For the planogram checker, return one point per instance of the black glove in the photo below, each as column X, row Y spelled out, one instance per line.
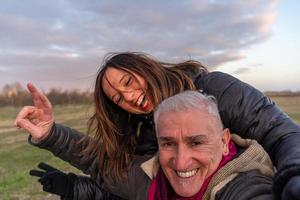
column 291, row 190
column 55, row 181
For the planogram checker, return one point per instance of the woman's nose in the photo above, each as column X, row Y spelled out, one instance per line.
column 129, row 96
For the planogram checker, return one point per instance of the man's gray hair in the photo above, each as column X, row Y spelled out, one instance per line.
column 188, row 101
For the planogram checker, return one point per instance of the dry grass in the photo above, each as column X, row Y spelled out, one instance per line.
column 290, row 105
column 17, row 157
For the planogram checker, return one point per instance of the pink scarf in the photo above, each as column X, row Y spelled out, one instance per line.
column 160, row 188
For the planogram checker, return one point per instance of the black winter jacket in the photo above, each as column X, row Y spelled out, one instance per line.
column 243, row 109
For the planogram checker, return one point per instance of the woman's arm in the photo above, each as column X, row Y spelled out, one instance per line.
column 248, row 112
column 63, row 141
column 87, row 189
column 44, row 133
column 247, row 185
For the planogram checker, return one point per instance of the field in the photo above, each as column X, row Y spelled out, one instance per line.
column 17, row 157
column 291, row 105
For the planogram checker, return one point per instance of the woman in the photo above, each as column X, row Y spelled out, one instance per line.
column 128, row 87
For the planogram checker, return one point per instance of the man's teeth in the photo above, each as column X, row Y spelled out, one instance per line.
column 186, row 174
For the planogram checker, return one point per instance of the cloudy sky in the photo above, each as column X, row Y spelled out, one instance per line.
column 61, row 43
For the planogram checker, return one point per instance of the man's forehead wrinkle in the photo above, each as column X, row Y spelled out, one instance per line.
column 185, row 137
column 197, row 135
column 166, row 138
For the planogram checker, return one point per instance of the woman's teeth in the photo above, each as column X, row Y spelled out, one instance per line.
column 141, row 101
column 186, row 174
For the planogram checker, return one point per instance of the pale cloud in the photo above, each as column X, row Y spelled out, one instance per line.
column 57, row 41
column 241, row 70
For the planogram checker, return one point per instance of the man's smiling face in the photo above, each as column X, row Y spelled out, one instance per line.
column 191, row 145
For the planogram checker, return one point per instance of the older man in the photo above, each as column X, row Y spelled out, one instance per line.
column 197, row 158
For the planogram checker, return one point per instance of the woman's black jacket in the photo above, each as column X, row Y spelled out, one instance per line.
column 243, row 109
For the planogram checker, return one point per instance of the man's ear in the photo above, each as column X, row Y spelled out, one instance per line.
column 225, row 141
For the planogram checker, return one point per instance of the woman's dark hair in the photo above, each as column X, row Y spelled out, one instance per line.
column 113, row 128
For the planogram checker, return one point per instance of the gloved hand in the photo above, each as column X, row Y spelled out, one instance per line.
column 291, row 190
column 55, row 181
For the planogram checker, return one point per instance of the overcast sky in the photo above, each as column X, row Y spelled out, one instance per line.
column 61, row 43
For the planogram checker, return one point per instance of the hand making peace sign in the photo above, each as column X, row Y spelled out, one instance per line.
column 37, row 119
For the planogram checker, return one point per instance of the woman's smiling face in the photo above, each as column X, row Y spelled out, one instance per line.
column 128, row 90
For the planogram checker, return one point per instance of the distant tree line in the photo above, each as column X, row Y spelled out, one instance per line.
column 284, row 93
column 15, row 95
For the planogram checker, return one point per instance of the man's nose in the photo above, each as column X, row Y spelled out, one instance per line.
column 182, row 159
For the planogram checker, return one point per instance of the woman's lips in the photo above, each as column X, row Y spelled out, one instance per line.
column 146, row 104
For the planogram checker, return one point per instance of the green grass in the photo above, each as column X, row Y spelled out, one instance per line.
column 17, row 157
column 16, row 164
